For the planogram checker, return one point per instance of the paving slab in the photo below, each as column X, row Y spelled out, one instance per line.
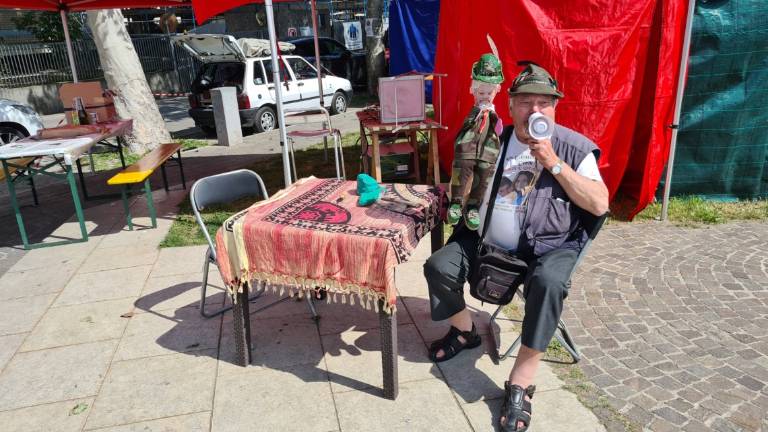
column 158, row 333
column 179, row 260
column 8, row 346
column 77, row 324
column 198, row 422
column 21, row 315
column 177, row 291
column 65, row 416
column 55, row 374
column 119, row 257
column 154, row 387
column 353, row 358
column 34, row 282
column 104, row 285
column 426, row 405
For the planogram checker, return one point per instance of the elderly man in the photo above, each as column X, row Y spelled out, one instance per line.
column 545, row 230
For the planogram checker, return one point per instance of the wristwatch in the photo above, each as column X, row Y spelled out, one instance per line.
column 557, row 169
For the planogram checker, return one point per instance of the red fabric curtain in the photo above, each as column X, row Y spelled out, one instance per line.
column 205, row 9
column 617, row 62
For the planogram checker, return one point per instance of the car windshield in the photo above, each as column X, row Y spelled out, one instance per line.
column 214, row 75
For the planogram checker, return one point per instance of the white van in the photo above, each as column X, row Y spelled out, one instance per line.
column 225, row 64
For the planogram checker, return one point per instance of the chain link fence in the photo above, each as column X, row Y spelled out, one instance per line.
column 40, row 63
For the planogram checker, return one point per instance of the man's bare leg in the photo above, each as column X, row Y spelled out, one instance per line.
column 524, row 370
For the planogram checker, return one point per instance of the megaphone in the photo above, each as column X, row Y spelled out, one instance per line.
column 540, row 126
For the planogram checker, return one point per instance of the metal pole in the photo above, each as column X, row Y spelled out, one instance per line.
column 68, row 42
column 278, row 90
column 678, row 107
column 317, row 53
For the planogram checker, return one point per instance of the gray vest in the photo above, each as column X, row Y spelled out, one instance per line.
column 551, row 220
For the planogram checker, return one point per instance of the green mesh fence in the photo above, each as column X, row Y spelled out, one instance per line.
column 722, row 148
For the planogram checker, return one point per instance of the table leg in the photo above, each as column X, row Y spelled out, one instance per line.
column 241, row 320
column 436, row 236
column 416, row 158
column 433, row 165
column 15, row 205
column 363, row 149
column 82, row 178
column 119, row 140
column 76, row 199
column 388, row 352
column 376, row 165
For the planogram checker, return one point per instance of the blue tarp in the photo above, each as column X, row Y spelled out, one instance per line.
column 413, row 37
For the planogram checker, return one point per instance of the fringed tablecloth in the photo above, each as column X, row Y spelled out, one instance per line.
column 313, row 234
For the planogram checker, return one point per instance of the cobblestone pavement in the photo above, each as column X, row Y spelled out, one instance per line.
column 673, row 324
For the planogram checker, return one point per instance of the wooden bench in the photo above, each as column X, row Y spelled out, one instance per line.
column 140, row 171
column 19, row 167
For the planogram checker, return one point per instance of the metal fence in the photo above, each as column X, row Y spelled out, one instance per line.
column 29, row 64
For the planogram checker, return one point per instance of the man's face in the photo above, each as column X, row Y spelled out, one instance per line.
column 521, row 106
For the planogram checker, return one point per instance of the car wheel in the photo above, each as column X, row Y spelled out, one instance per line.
column 339, row 103
column 266, row 120
column 9, row 134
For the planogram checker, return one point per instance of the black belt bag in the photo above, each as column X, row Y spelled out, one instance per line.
column 495, row 275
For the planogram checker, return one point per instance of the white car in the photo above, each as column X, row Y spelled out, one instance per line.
column 225, row 64
column 17, row 121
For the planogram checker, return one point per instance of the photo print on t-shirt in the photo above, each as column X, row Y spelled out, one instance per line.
column 520, row 174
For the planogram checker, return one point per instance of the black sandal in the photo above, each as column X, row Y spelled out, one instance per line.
column 451, row 345
column 516, row 409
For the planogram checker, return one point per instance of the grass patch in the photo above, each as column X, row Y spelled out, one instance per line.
column 695, row 211
column 111, row 159
column 186, row 232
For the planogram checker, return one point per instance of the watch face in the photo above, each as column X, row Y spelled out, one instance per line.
column 556, row 169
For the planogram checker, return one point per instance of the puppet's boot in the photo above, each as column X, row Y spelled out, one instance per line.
column 454, row 213
column 472, row 217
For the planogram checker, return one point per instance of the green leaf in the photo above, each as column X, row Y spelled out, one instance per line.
column 78, row 409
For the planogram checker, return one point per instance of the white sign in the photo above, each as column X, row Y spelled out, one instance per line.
column 353, row 35
column 305, row 31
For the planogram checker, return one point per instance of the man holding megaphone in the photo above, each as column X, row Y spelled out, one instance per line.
column 539, row 224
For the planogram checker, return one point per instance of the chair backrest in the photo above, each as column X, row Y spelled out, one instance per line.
column 308, row 116
column 223, row 189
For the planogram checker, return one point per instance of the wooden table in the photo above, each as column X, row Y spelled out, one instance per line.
column 313, row 234
column 370, row 123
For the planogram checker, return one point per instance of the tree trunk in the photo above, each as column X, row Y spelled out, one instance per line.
column 124, row 75
column 375, row 57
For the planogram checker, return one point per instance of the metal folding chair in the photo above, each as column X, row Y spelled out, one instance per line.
column 593, row 225
column 315, row 116
column 223, row 189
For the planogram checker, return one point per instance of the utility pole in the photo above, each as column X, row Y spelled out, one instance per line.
column 374, row 59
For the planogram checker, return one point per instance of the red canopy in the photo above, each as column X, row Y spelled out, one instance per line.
column 205, row 9
column 82, row 5
column 617, row 62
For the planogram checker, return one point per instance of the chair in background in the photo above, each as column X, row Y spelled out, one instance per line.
column 224, row 189
column 592, row 225
column 316, row 117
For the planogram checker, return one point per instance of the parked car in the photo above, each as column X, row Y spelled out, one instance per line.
column 17, row 121
column 225, row 64
column 335, row 57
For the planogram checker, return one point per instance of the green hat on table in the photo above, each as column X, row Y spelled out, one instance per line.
column 488, row 70
column 534, row 79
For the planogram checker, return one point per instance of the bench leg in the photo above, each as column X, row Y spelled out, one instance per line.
column 181, row 169
column 126, row 207
column 165, row 176
column 150, row 202
column 388, row 352
column 34, row 191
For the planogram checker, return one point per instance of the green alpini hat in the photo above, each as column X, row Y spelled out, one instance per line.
column 534, row 79
column 488, row 70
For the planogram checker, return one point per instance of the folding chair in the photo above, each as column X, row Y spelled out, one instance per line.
column 592, row 225
column 222, row 189
column 315, row 116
